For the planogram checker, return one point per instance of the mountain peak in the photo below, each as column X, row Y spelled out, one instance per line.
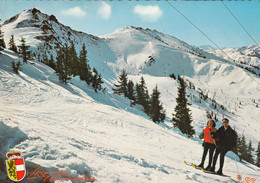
column 135, row 28
column 30, row 18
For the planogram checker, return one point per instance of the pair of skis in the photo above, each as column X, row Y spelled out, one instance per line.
column 209, row 172
column 203, row 170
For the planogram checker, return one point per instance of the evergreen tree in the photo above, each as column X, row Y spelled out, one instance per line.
column 258, row 155
column 12, row 45
column 38, row 57
column 235, row 149
column 67, row 73
column 84, row 69
column 142, row 96
column 88, row 74
column 121, row 88
column 16, row 67
column 131, row 91
column 45, row 59
column 23, row 50
column 96, row 80
column 99, row 82
column 52, row 63
column 209, row 116
column 201, row 135
column 182, row 118
column 249, row 153
column 243, row 148
column 156, row 111
column 172, row 76
column 238, row 148
column 73, row 61
column 2, row 42
column 62, row 64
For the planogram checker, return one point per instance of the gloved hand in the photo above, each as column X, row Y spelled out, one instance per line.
column 203, row 144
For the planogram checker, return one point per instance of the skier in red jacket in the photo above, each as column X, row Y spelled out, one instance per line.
column 226, row 139
column 208, row 144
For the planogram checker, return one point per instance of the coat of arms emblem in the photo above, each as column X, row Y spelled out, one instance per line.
column 15, row 166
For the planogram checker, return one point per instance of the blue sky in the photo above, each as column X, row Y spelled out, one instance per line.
column 104, row 17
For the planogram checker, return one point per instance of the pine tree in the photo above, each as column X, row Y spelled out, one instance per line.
column 99, row 82
column 73, row 61
column 23, row 50
column 156, row 111
column 131, row 91
column 84, row 68
column 238, row 148
column 121, row 88
column 2, row 42
column 142, row 96
column 12, row 45
column 16, row 67
column 172, row 76
column 182, row 118
column 235, row 149
column 52, row 63
column 249, row 153
column 258, row 155
column 201, row 135
column 62, row 64
column 67, row 73
column 96, row 80
column 209, row 116
column 243, row 148
column 45, row 59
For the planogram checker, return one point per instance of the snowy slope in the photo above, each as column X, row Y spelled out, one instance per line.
column 230, row 85
column 247, row 56
column 42, row 31
column 70, row 127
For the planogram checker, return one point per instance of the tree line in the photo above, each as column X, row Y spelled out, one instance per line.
column 245, row 151
column 68, row 64
column 138, row 94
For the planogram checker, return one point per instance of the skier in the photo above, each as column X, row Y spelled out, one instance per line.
column 226, row 139
column 208, row 143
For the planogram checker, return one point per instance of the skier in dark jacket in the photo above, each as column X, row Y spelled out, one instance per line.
column 226, row 139
column 208, row 143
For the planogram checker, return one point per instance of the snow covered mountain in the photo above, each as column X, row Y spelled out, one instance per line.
column 247, row 54
column 246, row 57
column 71, row 127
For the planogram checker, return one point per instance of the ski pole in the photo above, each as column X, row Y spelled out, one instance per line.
column 239, row 177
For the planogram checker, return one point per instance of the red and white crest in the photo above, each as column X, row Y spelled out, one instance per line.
column 15, row 166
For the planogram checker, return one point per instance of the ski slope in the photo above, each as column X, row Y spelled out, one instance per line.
column 70, row 127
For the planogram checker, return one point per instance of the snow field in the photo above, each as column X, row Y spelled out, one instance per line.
column 68, row 127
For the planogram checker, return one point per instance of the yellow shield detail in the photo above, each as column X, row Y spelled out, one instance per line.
column 11, row 169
